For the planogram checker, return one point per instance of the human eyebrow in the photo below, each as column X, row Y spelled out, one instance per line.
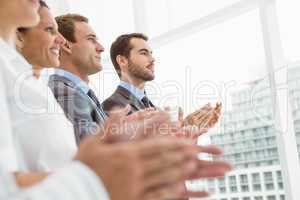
column 92, row 36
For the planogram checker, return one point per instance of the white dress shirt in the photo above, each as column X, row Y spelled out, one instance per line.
column 73, row 180
column 42, row 133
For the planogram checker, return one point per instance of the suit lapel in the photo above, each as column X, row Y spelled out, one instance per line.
column 132, row 100
column 58, row 78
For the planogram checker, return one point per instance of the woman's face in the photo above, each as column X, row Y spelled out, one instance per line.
column 41, row 44
column 20, row 13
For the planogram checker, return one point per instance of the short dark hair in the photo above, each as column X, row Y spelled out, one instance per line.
column 43, row 4
column 66, row 25
column 121, row 46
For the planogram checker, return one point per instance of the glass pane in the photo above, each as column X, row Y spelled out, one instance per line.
column 164, row 15
column 294, row 91
column 288, row 11
column 226, row 63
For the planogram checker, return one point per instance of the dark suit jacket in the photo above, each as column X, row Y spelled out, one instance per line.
column 78, row 107
column 122, row 97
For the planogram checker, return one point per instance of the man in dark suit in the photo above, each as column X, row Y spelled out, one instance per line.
column 132, row 58
column 79, row 58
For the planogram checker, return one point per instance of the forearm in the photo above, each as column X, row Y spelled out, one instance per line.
column 29, row 179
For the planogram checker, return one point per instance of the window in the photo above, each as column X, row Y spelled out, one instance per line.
column 211, row 190
column 269, row 186
column 221, row 181
column 243, row 179
column 245, row 188
column 256, row 187
column 258, row 198
column 272, row 197
column 256, row 178
column 233, row 189
column 222, row 190
column 268, row 177
column 211, row 183
column 232, row 180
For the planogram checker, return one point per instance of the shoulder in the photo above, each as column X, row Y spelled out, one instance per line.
column 114, row 101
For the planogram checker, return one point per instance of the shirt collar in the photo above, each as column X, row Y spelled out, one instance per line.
column 138, row 93
column 83, row 86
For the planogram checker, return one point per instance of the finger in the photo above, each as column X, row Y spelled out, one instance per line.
column 149, row 127
column 195, row 194
column 158, row 124
column 211, row 149
column 210, row 169
column 180, row 115
column 164, row 161
column 158, row 146
column 172, row 175
column 164, row 192
column 214, row 118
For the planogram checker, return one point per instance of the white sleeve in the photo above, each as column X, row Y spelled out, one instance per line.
column 8, row 156
column 75, row 182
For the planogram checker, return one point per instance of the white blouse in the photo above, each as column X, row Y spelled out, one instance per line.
column 43, row 135
column 39, row 149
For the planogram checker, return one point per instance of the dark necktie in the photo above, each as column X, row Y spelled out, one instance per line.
column 92, row 95
column 146, row 102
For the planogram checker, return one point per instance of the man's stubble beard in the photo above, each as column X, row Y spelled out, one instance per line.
column 139, row 72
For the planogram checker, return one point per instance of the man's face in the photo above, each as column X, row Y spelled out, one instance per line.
column 86, row 51
column 141, row 62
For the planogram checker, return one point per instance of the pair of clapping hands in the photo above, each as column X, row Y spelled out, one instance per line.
column 190, row 127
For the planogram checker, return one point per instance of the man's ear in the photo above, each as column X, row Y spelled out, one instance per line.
column 19, row 41
column 122, row 61
column 67, row 47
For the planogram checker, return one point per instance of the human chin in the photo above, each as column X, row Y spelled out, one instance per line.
column 149, row 75
column 53, row 60
column 97, row 67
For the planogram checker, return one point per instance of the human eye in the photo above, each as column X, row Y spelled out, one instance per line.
column 50, row 29
column 144, row 53
column 93, row 40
